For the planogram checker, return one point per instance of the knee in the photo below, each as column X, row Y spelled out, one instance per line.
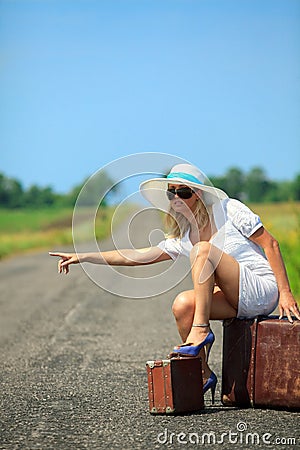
column 183, row 305
column 200, row 250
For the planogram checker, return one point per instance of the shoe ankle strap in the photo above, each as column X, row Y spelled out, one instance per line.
column 204, row 325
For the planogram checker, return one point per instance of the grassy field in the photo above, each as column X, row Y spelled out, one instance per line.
column 283, row 221
column 24, row 230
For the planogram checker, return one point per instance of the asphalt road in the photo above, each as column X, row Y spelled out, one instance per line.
column 73, row 365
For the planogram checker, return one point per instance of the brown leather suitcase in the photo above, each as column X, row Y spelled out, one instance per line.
column 175, row 385
column 261, row 365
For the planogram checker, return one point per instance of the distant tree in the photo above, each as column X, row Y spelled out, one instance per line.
column 257, row 185
column 273, row 194
column 296, row 187
column 11, row 192
column 4, row 194
column 16, row 194
column 253, row 187
column 233, row 183
column 218, row 182
column 47, row 196
column 3, row 191
column 93, row 190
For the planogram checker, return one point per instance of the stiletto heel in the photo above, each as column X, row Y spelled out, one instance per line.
column 211, row 384
column 194, row 350
column 208, row 348
column 213, row 389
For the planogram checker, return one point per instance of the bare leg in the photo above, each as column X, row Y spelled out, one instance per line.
column 184, row 309
column 209, row 264
column 201, row 304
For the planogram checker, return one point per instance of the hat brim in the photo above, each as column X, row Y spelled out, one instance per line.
column 154, row 191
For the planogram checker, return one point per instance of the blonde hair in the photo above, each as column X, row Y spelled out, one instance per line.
column 177, row 224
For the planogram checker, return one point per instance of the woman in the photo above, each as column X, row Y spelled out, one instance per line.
column 237, row 268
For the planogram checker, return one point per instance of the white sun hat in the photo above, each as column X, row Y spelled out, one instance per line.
column 154, row 190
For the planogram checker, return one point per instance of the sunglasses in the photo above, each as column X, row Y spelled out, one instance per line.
column 182, row 192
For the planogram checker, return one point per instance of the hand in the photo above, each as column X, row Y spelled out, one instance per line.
column 288, row 306
column 65, row 261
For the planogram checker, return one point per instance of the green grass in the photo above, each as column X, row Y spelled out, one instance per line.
column 283, row 221
column 24, row 230
column 19, row 221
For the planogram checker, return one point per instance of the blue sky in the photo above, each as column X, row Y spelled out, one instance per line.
column 84, row 82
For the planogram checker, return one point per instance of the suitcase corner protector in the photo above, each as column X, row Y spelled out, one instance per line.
column 170, row 410
column 167, row 410
column 150, row 364
column 158, row 363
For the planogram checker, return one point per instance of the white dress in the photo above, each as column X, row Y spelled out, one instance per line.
column 235, row 222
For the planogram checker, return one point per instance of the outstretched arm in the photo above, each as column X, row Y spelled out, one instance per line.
column 287, row 303
column 122, row 257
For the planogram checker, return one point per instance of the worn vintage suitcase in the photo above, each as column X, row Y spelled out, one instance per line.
column 175, row 385
column 261, row 365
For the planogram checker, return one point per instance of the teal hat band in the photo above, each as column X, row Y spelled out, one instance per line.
column 185, row 176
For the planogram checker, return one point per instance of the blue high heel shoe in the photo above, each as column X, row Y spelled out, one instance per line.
column 211, row 384
column 194, row 350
